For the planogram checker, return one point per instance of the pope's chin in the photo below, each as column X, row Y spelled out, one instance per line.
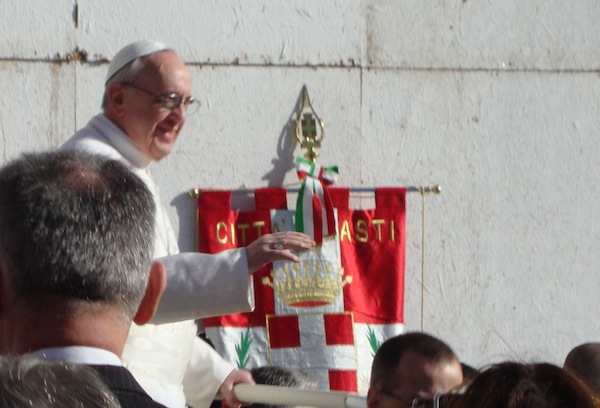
column 161, row 150
column 162, row 146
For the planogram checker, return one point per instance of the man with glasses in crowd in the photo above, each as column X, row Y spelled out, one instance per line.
column 411, row 368
column 147, row 96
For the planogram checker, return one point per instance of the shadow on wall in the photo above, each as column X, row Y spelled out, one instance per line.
column 282, row 163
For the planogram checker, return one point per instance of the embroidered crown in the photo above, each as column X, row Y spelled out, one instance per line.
column 313, row 282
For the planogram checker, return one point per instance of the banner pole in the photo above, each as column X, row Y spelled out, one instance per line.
column 436, row 189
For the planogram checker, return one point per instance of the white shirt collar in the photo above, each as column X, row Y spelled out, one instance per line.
column 79, row 355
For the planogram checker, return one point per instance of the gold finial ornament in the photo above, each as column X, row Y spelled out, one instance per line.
column 309, row 128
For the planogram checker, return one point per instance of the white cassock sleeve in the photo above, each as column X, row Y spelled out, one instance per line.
column 205, row 373
column 203, row 285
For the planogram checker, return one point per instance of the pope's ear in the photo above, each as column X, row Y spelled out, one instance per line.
column 157, row 282
column 115, row 95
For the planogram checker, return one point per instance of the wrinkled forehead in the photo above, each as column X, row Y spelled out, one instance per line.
column 446, row 375
column 166, row 68
column 417, row 376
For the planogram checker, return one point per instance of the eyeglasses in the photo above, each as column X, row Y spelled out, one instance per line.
column 170, row 101
column 417, row 402
column 439, row 400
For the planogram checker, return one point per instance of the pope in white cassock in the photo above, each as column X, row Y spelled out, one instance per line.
column 147, row 93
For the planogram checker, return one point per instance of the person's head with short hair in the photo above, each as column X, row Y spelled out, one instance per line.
column 284, row 377
column 148, row 94
column 76, row 241
column 27, row 382
column 518, row 385
column 412, row 365
column 584, row 361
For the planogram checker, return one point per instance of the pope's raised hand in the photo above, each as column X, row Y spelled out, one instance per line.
column 276, row 247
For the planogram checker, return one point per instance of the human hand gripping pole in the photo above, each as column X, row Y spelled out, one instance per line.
column 277, row 395
column 277, row 246
column 235, row 378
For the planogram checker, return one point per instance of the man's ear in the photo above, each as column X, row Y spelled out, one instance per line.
column 7, row 309
column 115, row 96
column 373, row 397
column 6, row 294
column 157, row 282
column 2, row 300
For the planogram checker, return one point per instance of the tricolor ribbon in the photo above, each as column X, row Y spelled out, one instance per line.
column 314, row 208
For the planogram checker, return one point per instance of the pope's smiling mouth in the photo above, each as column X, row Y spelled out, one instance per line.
column 167, row 133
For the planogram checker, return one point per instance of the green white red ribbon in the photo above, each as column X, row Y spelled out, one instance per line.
column 314, row 209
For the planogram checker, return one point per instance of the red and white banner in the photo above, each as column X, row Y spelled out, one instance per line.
column 328, row 314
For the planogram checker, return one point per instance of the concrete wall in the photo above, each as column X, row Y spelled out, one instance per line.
column 496, row 101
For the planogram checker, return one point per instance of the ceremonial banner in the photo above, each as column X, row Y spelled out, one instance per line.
column 328, row 314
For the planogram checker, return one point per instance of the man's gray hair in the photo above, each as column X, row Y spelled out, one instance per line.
column 284, row 377
column 76, row 225
column 28, row 382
